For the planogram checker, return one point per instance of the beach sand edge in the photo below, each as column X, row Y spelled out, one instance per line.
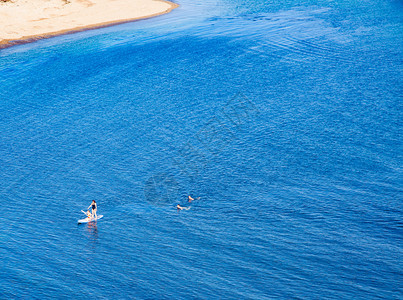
column 6, row 43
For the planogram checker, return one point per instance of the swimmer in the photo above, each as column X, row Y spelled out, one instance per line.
column 190, row 199
column 179, row 207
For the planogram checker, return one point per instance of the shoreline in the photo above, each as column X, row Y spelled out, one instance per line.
column 153, row 10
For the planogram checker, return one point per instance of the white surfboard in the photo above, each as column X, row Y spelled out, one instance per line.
column 87, row 220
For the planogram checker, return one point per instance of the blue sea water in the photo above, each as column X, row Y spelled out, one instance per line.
column 284, row 117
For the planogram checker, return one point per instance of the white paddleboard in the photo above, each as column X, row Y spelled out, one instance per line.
column 87, row 220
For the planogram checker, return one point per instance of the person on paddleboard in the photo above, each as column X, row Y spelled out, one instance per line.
column 94, row 209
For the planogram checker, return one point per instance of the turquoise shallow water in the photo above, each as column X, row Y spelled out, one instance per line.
column 283, row 117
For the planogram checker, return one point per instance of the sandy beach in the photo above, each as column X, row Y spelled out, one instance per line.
column 27, row 20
